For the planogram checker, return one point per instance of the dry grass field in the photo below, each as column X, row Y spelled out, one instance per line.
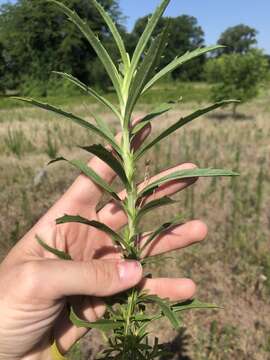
column 231, row 268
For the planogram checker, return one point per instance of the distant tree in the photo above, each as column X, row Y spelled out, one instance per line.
column 238, row 39
column 236, row 75
column 2, row 68
column 184, row 35
column 38, row 39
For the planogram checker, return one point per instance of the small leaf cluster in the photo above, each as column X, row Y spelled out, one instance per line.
column 128, row 314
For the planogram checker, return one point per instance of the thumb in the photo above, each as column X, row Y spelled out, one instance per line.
column 99, row 278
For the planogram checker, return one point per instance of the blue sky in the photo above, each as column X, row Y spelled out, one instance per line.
column 213, row 15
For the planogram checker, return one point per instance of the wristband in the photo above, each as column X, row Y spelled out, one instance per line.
column 56, row 355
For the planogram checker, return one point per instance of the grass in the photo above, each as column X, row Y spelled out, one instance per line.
column 170, row 91
column 232, row 268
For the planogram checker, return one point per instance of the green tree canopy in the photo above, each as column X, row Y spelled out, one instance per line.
column 238, row 39
column 37, row 39
column 236, row 75
column 184, row 35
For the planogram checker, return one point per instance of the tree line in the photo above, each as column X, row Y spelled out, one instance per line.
column 36, row 39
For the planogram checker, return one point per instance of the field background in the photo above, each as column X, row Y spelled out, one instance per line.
column 231, row 268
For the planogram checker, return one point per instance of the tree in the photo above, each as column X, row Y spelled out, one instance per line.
column 37, row 39
column 236, row 76
column 184, row 35
column 238, row 39
column 2, row 68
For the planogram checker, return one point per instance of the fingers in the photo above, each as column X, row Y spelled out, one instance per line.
column 86, row 308
column 115, row 217
column 176, row 238
column 83, row 190
column 56, row 279
column 173, row 289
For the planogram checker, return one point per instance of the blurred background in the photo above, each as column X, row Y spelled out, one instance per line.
column 232, row 268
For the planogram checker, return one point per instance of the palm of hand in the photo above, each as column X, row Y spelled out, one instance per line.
column 39, row 294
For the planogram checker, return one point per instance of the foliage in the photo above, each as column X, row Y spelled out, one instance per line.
column 127, row 315
column 37, row 39
column 238, row 39
column 2, row 67
column 184, row 35
column 236, row 74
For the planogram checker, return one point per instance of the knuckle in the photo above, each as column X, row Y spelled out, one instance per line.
column 100, row 275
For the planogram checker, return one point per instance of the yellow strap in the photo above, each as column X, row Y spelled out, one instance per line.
column 56, row 355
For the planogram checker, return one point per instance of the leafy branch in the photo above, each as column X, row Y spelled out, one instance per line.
column 127, row 317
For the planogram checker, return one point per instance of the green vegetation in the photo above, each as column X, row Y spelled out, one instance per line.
column 238, row 39
column 128, row 318
column 231, row 267
column 237, row 75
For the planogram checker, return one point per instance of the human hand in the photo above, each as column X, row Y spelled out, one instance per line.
column 35, row 284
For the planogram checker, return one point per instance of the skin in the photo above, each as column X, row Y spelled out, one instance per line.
column 35, row 284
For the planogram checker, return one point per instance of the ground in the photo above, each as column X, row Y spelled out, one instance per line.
column 231, row 268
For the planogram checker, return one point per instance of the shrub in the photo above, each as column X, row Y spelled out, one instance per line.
column 236, row 75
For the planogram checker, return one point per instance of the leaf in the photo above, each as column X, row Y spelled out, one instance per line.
column 185, row 174
column 142, row 74
column 178, row 61
column 60, row 254
column 102, row 324
column 154, row 205
column 146, row 119
column 100, row 50
column 103, row 126
column 102, row 153
column 183, row 121
column 90, row 91
column 160, row 230
column 87, row 171
column 192, row 304
column 166, row 309
column 96, row 224
column 72, row 117
column 116, row 35
column 142, row 43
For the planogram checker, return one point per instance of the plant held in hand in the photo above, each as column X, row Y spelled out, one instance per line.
column 127, row 316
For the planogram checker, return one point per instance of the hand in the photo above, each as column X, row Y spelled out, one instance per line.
column 34, row 284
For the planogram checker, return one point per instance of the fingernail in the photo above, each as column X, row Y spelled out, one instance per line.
column 129, row 270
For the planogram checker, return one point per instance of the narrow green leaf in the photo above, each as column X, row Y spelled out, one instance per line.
column 154, row 205
column 102, row 153
column 160, row 230
column 142, row 74
column 100, row 50
column 117, row 239
column 102, row 324
column 90, row 91
column 87, row 171
column 115, row 33
column 178, row 61
column 60, row 254
column 193, row 304
column 183, row 121
column 149, row 117
column 77, row 120
column 184, row 174
column 103, row 126
column 166, row 309
column 146, row 36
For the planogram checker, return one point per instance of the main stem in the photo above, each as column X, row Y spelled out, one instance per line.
column 131, row 237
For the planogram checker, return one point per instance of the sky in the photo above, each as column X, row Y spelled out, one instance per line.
column 214, row 16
